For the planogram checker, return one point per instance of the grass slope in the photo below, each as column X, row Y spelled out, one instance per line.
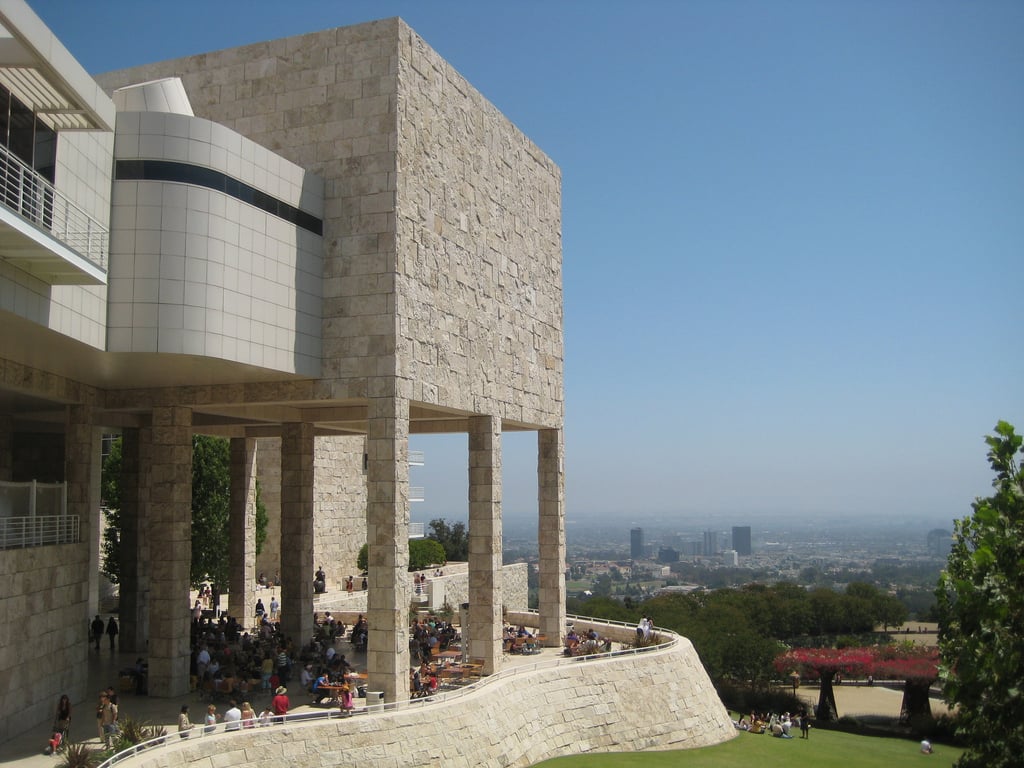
column 824, row 749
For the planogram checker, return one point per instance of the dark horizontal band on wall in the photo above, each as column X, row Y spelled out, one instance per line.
column 197, row 175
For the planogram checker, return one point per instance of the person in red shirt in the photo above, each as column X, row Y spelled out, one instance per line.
column 280, row 703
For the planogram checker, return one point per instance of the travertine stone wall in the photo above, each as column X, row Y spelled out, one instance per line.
column 339, row 506
column 485, row 629
column 242, row 528
column 551, row 533
column 43, row 634
column 442, row 225
column 479, row 249
column 297, row 442
column 170, row 515
column 657, row 700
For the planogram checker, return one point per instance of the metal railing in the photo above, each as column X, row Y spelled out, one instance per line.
column 27, row 193
column 21, row 532
column 666, row 640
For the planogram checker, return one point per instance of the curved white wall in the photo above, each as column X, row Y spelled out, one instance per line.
column 658, row 700
column 197, row 271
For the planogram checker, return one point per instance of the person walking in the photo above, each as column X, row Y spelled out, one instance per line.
column 97, row 630
column 184, row 724
column 111, row 632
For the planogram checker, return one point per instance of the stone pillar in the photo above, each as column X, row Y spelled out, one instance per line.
column 387, row 535
column 242, row 530
column 485, row 598
column 170, row 517
column 297, row 448
column 82, row 448
column 136, row 458
column 6, row 447
column 551, row 534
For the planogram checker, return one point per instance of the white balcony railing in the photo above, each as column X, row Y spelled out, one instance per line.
column 28, row 194
column 21, row 532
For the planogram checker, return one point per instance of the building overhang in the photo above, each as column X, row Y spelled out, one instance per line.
column 40, row 71
column 42, row 255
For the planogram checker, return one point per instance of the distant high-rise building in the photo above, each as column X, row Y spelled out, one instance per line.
column 668, row 555
column 741, row 540
column 940, row 541
column 636, row 543
column 710, row 543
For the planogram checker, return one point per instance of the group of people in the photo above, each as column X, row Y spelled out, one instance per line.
column 590, row 642
column 429, row 636
column 235, row 718
column 97, row 629
column 261, row 611
column 780, row 726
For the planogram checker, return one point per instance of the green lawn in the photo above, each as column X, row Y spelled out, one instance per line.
column 824, row 749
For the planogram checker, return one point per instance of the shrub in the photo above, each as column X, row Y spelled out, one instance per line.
column 80, row 756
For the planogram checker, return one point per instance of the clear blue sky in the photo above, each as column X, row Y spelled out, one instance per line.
column 793, row 235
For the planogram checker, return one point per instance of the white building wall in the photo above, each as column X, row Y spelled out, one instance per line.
column 197, row 271
column 84, row 166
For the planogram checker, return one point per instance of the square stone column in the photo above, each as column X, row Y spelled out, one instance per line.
column 242, row 530
column 551, row 534
column 485, row 598
column 6, row 447
column 136, row 459
column 170, row 518
column 82, row 449
column 297, row 568
column 387, row 535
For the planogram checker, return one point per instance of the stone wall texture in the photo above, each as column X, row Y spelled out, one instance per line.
column 43, row 604
column 442, row 221
column 661, row 699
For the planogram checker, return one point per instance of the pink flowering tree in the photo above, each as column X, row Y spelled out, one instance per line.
column 824, row 664
column 918, row 667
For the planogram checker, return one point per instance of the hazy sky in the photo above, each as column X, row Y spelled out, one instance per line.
column 793, row 235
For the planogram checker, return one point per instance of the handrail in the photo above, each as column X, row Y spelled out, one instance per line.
column 29, row 194
column 38, row 531
column 669, row 639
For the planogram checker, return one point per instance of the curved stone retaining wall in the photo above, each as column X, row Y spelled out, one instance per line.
column 657, row 700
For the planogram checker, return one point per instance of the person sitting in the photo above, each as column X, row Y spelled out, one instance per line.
column 322, row 679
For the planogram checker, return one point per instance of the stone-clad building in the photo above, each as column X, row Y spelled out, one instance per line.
column 331, row 241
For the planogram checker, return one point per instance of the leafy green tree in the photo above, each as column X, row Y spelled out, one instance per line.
column 110, row 493
column 423, row 553
column 981, row 607
column 211, row 497
column 453, row 537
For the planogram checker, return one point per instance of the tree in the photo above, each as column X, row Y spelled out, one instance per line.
column 211, row 497
column 110, row 494
column 423, row 553
column 981, row 614
column 918, row 667
column 211, row 492
column 454, row 538
column 825, row 664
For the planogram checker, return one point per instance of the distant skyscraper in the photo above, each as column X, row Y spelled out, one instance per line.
column 636, row 543
column 710, row 543
column 741, row 540
column 940, row 541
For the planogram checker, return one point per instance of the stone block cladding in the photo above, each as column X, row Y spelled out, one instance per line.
column 479, row 249
column 442, row 222
column 660, row 700
column 43, row 602
column 340, row 506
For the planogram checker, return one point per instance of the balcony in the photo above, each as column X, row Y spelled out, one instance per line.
column 35, row 515
column 44, row 233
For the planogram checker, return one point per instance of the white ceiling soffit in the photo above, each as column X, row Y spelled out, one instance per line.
column 40, row 71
